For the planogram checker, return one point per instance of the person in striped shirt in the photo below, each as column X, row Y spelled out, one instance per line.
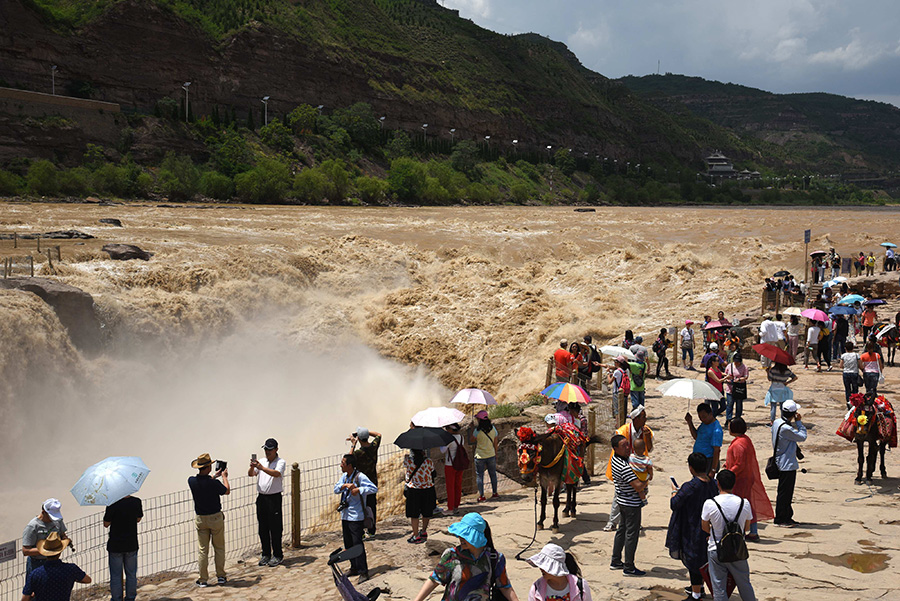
column 628, row 487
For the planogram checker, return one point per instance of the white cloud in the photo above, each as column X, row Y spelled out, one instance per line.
column 787, row 50
column 587, row 39
column 479, row 9
column 855, row 55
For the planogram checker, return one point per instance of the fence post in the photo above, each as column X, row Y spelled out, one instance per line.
column 59, row 254
column 620, row 418
column 295, row 505
column 675, row 342
column 592, row 428
column 15, row 239
column 39, row 242
column 549, row 379
column 50, row 259
column 31, row 261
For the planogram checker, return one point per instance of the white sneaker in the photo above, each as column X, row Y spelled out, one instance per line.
column 609, row 527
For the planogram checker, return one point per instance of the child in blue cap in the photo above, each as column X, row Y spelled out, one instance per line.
column 465, row 570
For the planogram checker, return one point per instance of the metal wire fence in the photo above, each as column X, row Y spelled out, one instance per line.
column 167, row 536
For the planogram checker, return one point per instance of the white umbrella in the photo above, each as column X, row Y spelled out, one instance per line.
column 687, row 388
column 792, row 311
column 438, row 417
column 112, row 479
column 617, row 351
column 474, row 396
column 840, row 279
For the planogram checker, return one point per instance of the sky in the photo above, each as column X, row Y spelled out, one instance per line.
column 843, row 47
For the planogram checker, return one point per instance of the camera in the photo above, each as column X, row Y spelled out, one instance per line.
column 344, row 504
column 221, row 465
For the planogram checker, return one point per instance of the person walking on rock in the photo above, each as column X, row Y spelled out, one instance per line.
column 209, row 521
column 627, row 487
column 353, row 487
column 367, row 461
column 269, row 488
column 122, row 518
column 787, row 431
column 730, row 507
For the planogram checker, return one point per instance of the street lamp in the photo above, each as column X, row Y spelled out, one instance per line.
column 452, row 134
column 425, row 132
column 381, row 121
column 53, row 80
column 265, row 101
column 319, row 108
column 185, row 87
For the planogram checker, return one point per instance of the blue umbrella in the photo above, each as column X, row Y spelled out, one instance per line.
column 852, row 298
column 112, row 479
column 842, row 310
column 889, row 245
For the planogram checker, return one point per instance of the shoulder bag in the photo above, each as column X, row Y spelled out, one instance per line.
column 772, row 469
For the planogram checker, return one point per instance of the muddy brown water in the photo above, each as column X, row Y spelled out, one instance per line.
column 302, row 322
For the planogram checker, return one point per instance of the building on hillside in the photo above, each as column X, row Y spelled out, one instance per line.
column 718, row 166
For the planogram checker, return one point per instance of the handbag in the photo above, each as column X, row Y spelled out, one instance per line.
column 739, row 391
column 772, row 469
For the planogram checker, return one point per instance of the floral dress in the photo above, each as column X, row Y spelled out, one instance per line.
column 466, row 578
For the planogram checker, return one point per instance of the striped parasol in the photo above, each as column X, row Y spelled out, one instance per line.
column 567, row 393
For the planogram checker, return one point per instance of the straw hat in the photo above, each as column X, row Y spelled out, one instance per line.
column 52, row 545
column 202, row 461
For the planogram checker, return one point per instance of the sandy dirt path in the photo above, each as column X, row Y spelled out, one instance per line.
column 845, row 550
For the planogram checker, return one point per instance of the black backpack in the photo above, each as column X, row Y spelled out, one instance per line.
column 657, row 346
column 732, row 546
column 637, row 379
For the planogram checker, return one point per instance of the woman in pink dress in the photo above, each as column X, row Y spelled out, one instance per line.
column 741, row 459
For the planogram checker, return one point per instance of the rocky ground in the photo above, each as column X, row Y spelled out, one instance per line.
column 845, row 549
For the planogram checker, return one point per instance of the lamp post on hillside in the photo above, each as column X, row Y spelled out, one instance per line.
column 425, row 133
column 515, row 145
column 381, row 122
column 452, row 134
column 53, row 80
column 265, row 101
column 487, row 144
column 185, row 87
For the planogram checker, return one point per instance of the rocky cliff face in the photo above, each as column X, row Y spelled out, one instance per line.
column 138, row 53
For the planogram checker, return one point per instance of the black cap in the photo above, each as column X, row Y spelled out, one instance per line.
column 271, row 443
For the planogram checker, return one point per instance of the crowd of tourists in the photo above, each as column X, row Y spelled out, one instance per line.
column 713, row 515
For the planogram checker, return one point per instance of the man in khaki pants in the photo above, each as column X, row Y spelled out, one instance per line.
column 210, row 521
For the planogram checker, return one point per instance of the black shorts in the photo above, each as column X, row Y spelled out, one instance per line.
column 420, row 502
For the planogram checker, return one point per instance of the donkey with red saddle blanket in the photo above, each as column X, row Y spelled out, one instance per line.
column 558, row 458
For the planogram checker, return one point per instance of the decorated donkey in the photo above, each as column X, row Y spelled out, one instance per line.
column 557, row 457
column 871, row 419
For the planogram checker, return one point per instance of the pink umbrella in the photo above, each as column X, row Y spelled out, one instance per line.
column 815, row 314
column 716, row 324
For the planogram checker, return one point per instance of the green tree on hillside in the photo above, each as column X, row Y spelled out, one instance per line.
column 269, row 181
column 464, row 157
column 303, row 119
column 277, row 135
column 178, row 178
column 230, row 154
column 406, row 179
column 564, row 161
column 42, row 178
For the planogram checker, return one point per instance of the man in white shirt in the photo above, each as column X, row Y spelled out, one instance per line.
column 768, row 333
column 269, row 486
column 726, row 506
column 812, row 345
column 780, row 332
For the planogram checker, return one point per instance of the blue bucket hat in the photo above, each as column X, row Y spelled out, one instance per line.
column 471, row 529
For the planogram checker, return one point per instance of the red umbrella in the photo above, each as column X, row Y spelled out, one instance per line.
column 774, row 353
column 716, row 324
